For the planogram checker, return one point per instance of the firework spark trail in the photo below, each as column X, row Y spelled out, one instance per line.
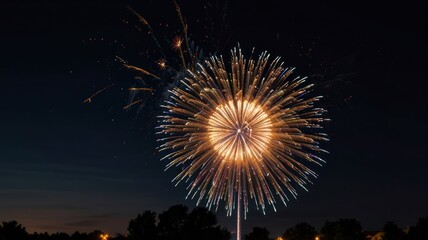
column 176, row 44
column 240, row 133
column 89, row 99
column 141, row 70
column 183, row 25
column 141, row 89
column 146, row 23
column 135, row 68
column 132, row 104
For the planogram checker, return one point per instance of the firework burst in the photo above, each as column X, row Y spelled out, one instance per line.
column 237, row 133
column 242, row 132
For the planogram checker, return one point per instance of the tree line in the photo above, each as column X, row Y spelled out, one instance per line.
column 345, row 229
column 180, row 223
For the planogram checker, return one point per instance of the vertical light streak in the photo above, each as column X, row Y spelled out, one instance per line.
column 238, row 215
column 177, row 42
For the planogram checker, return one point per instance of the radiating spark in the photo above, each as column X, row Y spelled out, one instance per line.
column 133, row 103
column 140, row 18
column 89, row 99
column 141, row 89
column 242, row 132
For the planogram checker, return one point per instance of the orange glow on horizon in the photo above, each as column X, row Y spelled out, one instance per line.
column 104, row 236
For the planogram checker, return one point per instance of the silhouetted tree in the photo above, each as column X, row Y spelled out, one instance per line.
column 39, row 236
column 144, row 227
column 119, row 237
column 59, row 236
column 171, row 222
column 258, row 233
column 420, row 231
column 12, row 231
column 201, row 219
column 43, row 236
column 392, row 232
column 79, row 236
column 302, row 231
column 219, row 233
column 328, row 231
column 343, row 229
column 178, row 224
column 202, row 224
column 95, row 235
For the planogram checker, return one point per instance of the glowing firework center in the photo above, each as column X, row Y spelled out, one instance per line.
column 240, row 131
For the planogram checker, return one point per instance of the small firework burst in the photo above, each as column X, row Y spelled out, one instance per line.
column 161, row 63
column 244, row 132
column 176, row 42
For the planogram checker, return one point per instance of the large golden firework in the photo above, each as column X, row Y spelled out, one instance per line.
column 240, row 133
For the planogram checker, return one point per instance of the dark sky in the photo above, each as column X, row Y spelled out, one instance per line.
column 67, row 166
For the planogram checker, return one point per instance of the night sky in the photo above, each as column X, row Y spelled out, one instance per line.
column 66, row 165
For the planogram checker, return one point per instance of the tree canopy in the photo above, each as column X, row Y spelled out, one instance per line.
column 301, row 231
